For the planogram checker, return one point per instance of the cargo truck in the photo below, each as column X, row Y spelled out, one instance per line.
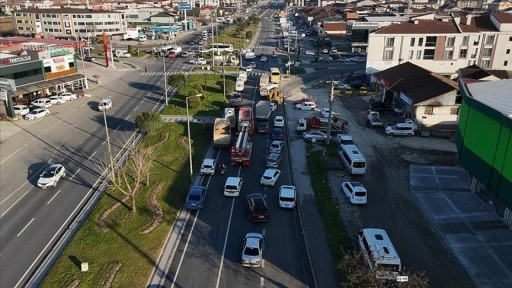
column 221, row 133
column 229, row 113
column 263, row 110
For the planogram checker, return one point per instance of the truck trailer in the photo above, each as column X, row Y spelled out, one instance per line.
column 263, row 110
column 221, row 133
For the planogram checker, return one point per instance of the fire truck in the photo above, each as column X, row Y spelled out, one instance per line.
column 246, row 115
column 241, row 151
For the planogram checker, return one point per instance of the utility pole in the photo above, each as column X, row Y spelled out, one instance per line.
column 329, row 119
column 165, row 83
column 111, row 170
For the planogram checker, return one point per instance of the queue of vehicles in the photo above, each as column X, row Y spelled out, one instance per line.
column 39, row 107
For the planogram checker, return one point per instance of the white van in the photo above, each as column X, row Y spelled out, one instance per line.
column 379, row 253
column 233, row 186
column 401, row 129
column 352, row 159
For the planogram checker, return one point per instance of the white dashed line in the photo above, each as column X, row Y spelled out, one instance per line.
column 136, row 108
column 52, row 197
column 262, row 281
column 127, row 117
column 75, row 174
column 13, row 153
column 25, row 227
column 92, row 155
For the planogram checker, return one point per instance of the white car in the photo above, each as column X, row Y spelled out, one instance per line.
column 279, row 121
column 314, row 135
column 37, row 113
column 297, row 63
column 104, row 104
column 270, row 177
column 57, row 100
column 21, row 110
column 287, row 196
column 68, row 96
column 248, row 68
column 208, row 167
column 252, row 252
column 263, row 59
column 273, row 106
column 200, row 61
column 305, row 106
column 42, row 102
column 252, row 64
column 276, row 146
column 51, row 176
column 325, row 112
column 355, row 192
column 309, row 52
column 334, row 50
column 325, row 51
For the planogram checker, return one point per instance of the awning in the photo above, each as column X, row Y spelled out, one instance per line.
column 34, row 87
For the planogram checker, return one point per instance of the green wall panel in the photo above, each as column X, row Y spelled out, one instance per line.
column 481, row 135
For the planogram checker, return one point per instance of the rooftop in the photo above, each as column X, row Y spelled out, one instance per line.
column 495, row 94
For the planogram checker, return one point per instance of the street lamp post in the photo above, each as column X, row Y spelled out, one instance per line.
column 83, row 67
column 165, row 83
column 189, row 140
column 289, row 65
column 111, row 164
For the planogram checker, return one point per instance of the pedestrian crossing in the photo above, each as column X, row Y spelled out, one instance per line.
column 183, row 119
column 161, row 73
column 187, row 47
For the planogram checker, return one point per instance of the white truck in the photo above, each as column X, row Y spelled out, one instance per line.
column 264, row 79
column 229, row 113
column 263, row 110
column 221, row 133
column 231, row 60
column 131, row 34
column 250, row 55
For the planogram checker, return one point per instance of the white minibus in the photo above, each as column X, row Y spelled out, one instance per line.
column 379, row 253
column 352, row 159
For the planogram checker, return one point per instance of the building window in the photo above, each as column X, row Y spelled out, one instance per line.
column 48, row 69
column 388, row 54
column 448, row 54
column 390, row 42
column 477, row 40
column 412, row 42
column 487, row 52
column 19, row 21
column 489, row 40
column 420, row 42
column 463, row 53
column 505, row 63
column 66, row 24
column 485, row 63
column 508, row 51
column 430, row 41
column 454, row 111
column 475, row 52
column 429, row 110
column 429, row 54
column 450, row 42
column 509, row 38
column 418, row 54
column 465, row 40
column 68, row 32
column 411, row 54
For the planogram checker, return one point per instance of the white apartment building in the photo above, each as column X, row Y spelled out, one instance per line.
column 443, row 45
column 201, row 3
column 68, row 22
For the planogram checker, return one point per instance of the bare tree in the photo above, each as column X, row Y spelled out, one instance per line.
column 358, row 274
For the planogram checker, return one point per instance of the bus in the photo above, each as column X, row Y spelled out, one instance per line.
column 221, row 47
column 275, row 75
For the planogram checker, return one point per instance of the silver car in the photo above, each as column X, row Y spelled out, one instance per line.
column 51, row 176
column 252, row 252
column 314, row 135
column 270, row 177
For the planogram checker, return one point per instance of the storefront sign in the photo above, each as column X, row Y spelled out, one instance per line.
column 405, row 98
column 16, row 60
column 56, row 53
column 59, row 64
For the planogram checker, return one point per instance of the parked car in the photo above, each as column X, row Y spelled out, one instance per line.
column 325, row 112
column 273, row 106
column 325, row 51
column 270, row 177
column 208, row 166
column 314, row 135
column 334, row 50
column 57, row 99
column 252, row 251
column 37, row 113
column 89, row 58
column 198, row 61
column 263, row 59
column 401, row 129
column 42, row 103
column 252, row 64
column 257, row 207
column 277, row 133
column 105, row 104
column 276, row 146
column 21, row 110
column 68, row 96
column 273, row 160
column 279, row 121
column 305, row 106
column 248, row 68
column 355, row 192
column 263, row 127
column 51, row 176
column 310, row 52
column 195, row 197
column 287, row 196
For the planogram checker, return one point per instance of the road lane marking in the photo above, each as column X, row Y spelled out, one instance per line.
column 7, row 210
column 38, row 172
column 127, row 117
column 53, row 197
column 92, row 155
column 13, row 153
column 225, row 244
column 25, row 227
column 135, row 108
column 262, row 282
column 73, row 176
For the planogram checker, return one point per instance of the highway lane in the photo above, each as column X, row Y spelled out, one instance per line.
column 74, row 135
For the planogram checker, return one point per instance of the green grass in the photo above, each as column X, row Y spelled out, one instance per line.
column 137, row 253
column 228, row 36
column 337, row 236
column 212, row 102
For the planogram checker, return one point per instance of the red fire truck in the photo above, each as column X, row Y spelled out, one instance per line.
column 246, row 115
column 241, row 151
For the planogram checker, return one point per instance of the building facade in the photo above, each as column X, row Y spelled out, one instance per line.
column 444, row 45
column 68, row 22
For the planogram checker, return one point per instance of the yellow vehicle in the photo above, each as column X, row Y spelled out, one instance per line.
column 348, row 91
column 275, row 75
column 363, row 91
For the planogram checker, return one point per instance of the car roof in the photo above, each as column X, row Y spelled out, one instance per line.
column 208, row 161
column 233, row 180
column 38, row 110
column 20, row 106
column 196, row 189
column 278, row 142
column 270, row 171
column 287, row 190
column 253, row 239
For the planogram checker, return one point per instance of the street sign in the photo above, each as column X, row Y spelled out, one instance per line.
column 184, row 6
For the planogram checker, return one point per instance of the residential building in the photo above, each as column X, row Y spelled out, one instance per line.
column 358, row 31
column 428, row 98
column 444, row 45
column 68, row 22
column 484, row 136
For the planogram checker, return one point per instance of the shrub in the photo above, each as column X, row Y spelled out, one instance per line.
column 194, row 102
column 178, row 80
column 248, row 35
column 230, row 86
column 199, row 89
column 149, row 121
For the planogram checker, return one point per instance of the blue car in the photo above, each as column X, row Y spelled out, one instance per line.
column 277, row 133
column 195, row 198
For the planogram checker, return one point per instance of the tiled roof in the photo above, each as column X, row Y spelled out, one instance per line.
column 65, row 11
column 477, row 24
column 503, row 17
column 423, row 27
column 476, row 72
column 417, row 83
column 334, row 26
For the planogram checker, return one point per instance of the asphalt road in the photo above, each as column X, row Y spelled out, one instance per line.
column 73, row 134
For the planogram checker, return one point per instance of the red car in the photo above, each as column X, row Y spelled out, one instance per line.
column 304, row 100
column 172, row 55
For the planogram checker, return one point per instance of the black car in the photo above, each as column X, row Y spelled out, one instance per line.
column 257, row 207
column 263, row 127
column 89, row 58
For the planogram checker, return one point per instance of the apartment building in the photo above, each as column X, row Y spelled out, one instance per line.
column 444, row 45
column 68, row 22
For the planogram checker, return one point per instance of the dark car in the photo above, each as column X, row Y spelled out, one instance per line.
column 195, row 197
column 263, row 127
column 257, row 207
column 273, row 160
column 89, row 58
column 277, row 133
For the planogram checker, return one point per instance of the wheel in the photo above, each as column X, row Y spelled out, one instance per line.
column 391, row 134
column 409, row 135
column 310, row 139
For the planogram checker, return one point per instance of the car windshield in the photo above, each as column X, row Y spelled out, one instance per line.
column 48, row 173
column 360, row 194
column 194, row 197
column 251, row 251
